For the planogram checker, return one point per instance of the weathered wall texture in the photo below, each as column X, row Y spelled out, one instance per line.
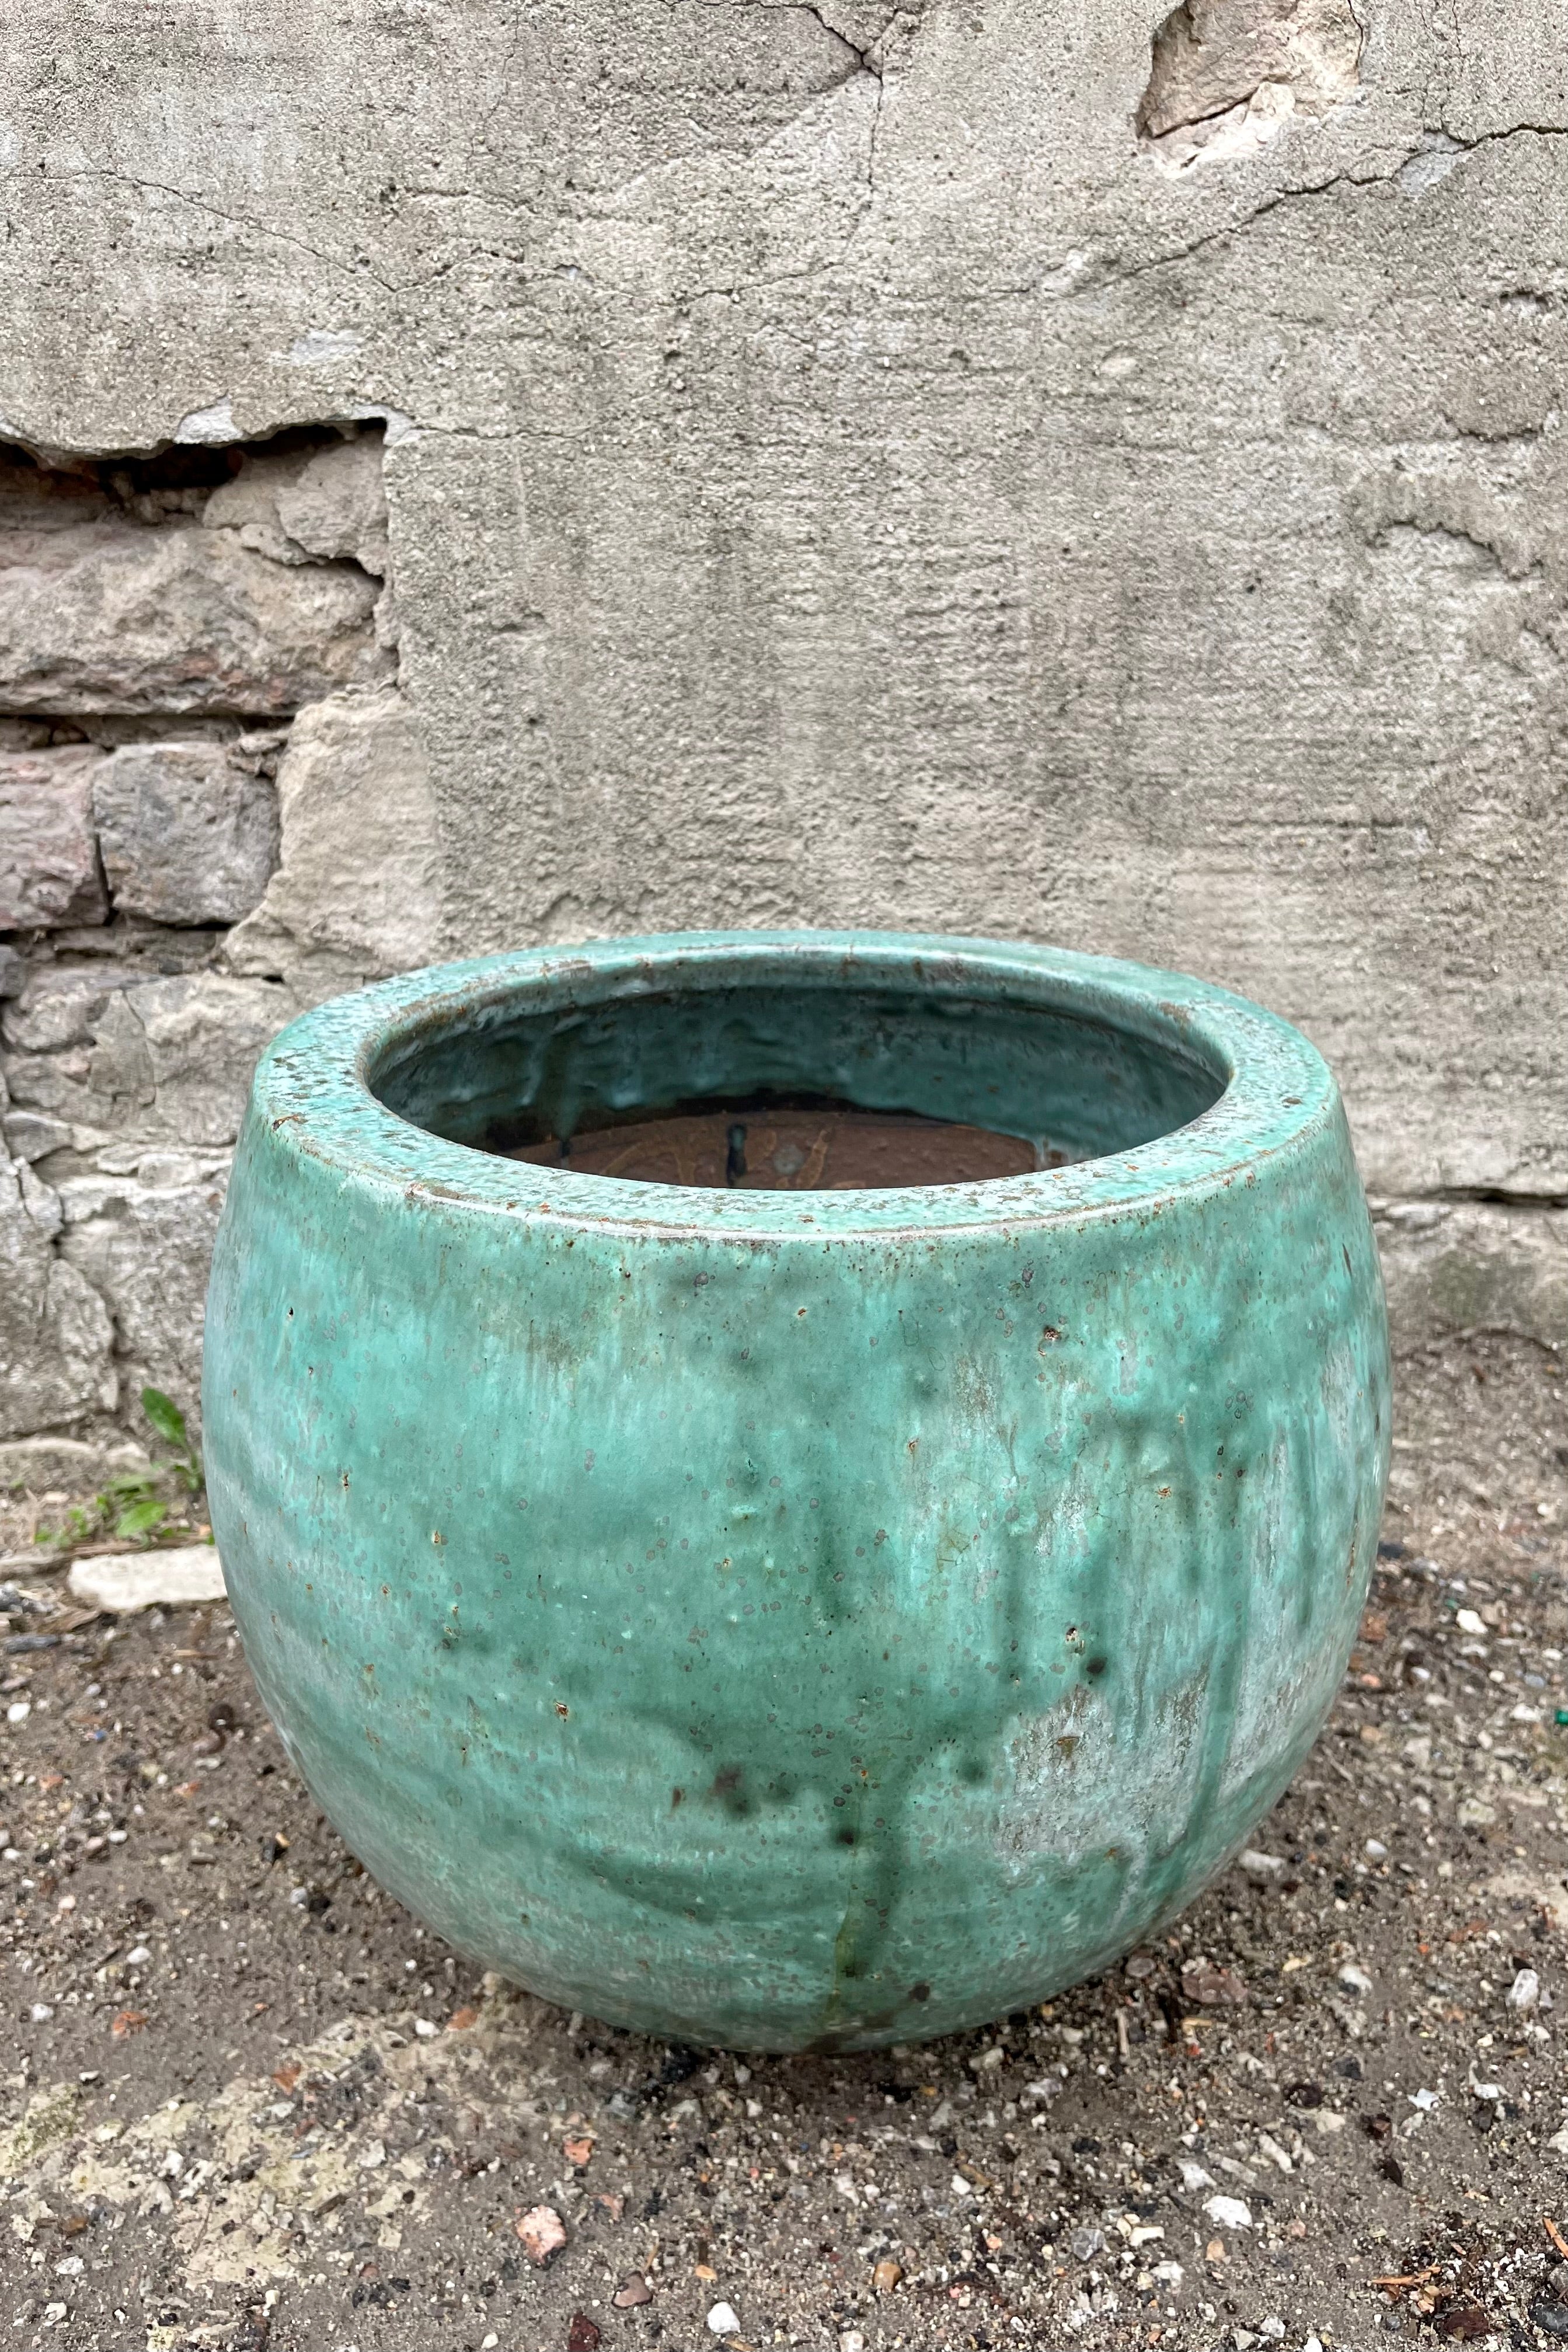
column 1075, row 471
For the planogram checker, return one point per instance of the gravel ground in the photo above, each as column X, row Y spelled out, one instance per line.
column 249, row 2102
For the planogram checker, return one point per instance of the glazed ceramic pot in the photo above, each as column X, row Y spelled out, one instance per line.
column 786, row 1619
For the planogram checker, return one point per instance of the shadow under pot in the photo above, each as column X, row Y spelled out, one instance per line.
column 795, row 1490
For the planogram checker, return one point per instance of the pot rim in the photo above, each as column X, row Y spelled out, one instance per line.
column 313, row 1086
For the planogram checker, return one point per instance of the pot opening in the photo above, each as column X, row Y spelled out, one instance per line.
column 819, row 1083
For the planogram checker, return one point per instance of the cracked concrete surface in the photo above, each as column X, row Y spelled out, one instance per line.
column 836, row 475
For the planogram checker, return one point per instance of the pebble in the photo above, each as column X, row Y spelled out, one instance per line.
column 1468, row 1621
column 1262, row 1866
column 633, row 2290
column 123, row 1581
column 721, row 2321
column 542, row 2234
column 1525, row 1991
column 1228, row 2213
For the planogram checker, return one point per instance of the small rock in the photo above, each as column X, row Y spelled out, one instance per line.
column 1203, row 1981
column 126, row 2021
column 1465, row 2323
column 1552, row 2318
column 1193, row 2174
column 1086, row 2243
column 1470, row 1622
column 1355, row 1979
column 542, row 2233
column 1262, row 1866
column 851, row 2339
column 887, row 2274
column 632, row 2291
column 122, row 1581
column 1525, row 1991
column 582, row 2336
column 1374, row 1850
column 1228, row 2213
column 721, row 2321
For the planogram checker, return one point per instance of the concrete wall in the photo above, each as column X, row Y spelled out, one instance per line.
column 991, row 467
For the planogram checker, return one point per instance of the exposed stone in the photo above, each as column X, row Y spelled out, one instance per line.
column 58, row 1006
column 49, row 858
column 204, row 1033
column 56, row 1335
column 107, row 615
column 167, row 1059
column 356, row 892
column 30, row 1135
column 188, row 833
column 145, row 1248
column 326, row 503
column 1228, row 74
column 180, row 1576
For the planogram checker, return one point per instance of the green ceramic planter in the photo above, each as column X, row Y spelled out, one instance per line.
column 785, row 1620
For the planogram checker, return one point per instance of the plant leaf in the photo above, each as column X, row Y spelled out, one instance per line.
column 164, row 1415
column 142, row 1518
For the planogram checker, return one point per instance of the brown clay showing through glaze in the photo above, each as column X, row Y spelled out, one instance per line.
column 791, row 1147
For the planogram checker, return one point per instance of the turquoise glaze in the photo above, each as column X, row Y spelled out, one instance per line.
column 797, row 1620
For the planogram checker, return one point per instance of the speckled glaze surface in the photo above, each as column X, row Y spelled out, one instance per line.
column 788, row 1619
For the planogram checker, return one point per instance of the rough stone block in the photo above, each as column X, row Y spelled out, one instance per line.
column 202, row 1032
column 183, row 1576
column 327, row 503
column 109, row 616
column 56, row 1336
column 145, row 1249
column 48, row 856
column 187, row 833
column 356, row 893
column 167, row 1059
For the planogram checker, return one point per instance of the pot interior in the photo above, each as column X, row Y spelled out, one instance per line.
column 810, row 1083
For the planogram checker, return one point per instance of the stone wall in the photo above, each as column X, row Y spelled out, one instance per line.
column 214, row 809
column 1094, row 474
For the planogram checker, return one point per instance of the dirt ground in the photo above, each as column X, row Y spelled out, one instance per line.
column 248, row 2102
